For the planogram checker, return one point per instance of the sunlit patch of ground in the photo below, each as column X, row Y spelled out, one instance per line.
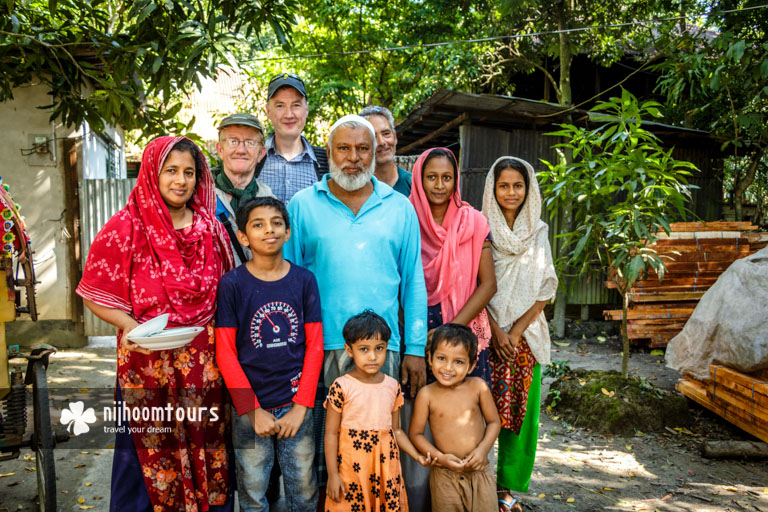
column 641, row 473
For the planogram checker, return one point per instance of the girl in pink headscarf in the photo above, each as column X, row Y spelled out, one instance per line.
column 455, row 249
column 458, row 271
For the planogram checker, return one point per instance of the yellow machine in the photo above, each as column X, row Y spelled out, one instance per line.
column 16, row 275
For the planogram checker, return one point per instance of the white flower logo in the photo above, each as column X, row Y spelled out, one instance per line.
column 77, row 417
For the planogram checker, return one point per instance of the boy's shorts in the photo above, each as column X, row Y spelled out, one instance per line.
column 459, row 492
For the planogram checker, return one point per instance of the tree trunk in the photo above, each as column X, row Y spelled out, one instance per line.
column 564, row 226
column 734, row 450
column 624, row 335
column 565, row 57
column 558, row 320
column 742, row 183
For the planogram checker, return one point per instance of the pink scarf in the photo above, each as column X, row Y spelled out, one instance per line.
column 451, row 252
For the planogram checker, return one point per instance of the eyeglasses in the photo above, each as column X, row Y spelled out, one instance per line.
column 232, row 143
column 281, row 76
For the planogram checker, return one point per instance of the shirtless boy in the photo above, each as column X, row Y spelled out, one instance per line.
column 464, row 423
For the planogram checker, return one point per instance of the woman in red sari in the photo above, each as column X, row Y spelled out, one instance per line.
column 165, row 252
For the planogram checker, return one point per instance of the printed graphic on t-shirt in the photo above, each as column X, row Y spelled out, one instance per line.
column 295, row 383
column 274, row 325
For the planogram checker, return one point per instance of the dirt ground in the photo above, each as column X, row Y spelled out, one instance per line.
column 575, row 469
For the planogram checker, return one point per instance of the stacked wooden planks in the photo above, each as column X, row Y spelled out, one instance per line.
column 695, row 253
column 740, row 398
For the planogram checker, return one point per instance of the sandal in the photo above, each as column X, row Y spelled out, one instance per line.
column 506, row 506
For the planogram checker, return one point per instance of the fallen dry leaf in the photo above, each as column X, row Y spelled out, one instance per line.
column 88, row 484
column 83, row 390
column 561, row 344
column 607, row 488
column 30, row 469
column 732, row 489
column 80, row 466
column 628, row 447
column 570, row 500
column 607, row 393
column 3, row 475
column 81, row 500
column 87, row 507
column 542, row 495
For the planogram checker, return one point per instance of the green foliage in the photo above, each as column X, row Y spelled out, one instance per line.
column 715, row 78
column 341, row 84
column 557, row 369
column 553, row 397
column 126, row 62
column 550, row 50
column 621, row 188
column 720, row 83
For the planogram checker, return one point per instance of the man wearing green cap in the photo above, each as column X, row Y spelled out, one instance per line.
column 240, row 147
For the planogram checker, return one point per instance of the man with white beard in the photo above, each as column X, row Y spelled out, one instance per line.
column 361, row 240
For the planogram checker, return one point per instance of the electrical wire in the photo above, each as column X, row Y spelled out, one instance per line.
column 495, row 38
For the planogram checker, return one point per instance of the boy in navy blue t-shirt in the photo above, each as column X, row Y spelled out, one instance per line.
column 269, row 348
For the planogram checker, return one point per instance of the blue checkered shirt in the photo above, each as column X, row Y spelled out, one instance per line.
column 286, row 177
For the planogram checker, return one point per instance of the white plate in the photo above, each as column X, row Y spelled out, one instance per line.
column 176, row 330
column 172, row 338
column 169, row 345
column 149, row 327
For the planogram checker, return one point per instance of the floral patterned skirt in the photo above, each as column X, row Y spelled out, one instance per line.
column 369, row 465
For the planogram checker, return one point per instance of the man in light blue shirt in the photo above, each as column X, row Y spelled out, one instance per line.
column 361, row 240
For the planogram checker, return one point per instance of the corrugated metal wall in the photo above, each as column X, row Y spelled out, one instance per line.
column 99, row 200
column 406, row 161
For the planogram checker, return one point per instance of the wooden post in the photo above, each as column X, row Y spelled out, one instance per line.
column 447, row 126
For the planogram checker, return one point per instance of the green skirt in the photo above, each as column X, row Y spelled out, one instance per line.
column 518, row 451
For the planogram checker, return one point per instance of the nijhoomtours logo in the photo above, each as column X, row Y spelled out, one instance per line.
column 154, row 419
column 77, row 418
column 121, row 417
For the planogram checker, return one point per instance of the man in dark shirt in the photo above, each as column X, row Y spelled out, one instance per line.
column 386, row 145
column 291, row 163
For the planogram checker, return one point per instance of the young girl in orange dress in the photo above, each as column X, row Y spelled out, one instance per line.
column 363, row 437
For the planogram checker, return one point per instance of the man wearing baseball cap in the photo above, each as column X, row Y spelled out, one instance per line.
column 291, row 162
column 240, row 147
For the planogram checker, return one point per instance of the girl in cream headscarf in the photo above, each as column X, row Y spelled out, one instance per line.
column 526, row 282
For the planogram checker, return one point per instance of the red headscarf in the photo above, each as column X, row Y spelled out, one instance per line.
column 141, row 264
column 450, row 252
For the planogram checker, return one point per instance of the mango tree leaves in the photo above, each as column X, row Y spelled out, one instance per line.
column 103, row 61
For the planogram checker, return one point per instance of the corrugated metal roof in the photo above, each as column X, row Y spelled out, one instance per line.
column 501, row 112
